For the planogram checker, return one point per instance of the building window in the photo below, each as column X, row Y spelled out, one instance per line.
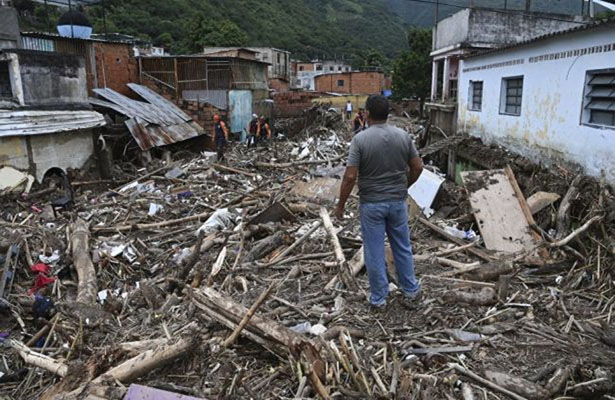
column 600, row 98
column 319, row 68
column 339, row 68
column 301, row 68
column 512, row 89
column 452, row 90
column 278, row 58
column 476, row 95
column 6, row 91
column 340, row 83
column 331, row 69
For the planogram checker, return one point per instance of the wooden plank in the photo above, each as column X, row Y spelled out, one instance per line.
column 501, row 219
column 541, row 200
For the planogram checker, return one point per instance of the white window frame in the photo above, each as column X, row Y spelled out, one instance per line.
column 471, row 105
column 588, row 99
column 504, row 92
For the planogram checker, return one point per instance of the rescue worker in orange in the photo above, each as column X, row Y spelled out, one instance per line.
column 219, row 136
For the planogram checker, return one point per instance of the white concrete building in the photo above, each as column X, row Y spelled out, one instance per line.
column 551, row 98
column 475, row 29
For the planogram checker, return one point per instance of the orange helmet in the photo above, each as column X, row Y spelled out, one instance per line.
column 216, row 118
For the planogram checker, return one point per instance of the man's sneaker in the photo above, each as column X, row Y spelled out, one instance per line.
column 411, row 302
column 378, row 308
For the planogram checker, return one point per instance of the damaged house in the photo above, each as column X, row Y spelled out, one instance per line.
column 233, row 86
column 551, row 98
column 44, row 113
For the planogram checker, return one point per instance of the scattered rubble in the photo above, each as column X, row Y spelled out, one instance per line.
column 231, row 281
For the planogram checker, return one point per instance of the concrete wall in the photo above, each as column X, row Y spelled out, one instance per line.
column 48, row 151
column 549, row 127
column 483, row 27
column 357, row 100
column 50, row 79
column 9, row 28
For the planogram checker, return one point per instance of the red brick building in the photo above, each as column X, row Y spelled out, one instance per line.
column 359, row 82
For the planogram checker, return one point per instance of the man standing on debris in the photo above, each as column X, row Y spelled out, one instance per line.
column 220, row 136
column 386, row 163
column 348, row 110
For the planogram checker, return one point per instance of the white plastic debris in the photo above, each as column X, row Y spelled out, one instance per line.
column 461, row 234
column 102, row 296
column 425, row 189
column 303, row 327
column 174, row 173
column 465, row 336
column 318, row 329
column 154, row 209
column 52, row 259
column 304, row 153
column 220, row 219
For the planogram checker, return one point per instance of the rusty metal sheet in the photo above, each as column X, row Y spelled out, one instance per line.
column 154, row 124
column 22, row 123
column 159, row 101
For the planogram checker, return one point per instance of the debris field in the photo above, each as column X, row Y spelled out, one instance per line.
column 233, row 280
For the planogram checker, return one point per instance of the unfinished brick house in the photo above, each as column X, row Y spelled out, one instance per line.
column 355, row 82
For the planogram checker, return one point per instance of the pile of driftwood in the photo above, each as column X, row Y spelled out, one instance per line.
column 232, row 280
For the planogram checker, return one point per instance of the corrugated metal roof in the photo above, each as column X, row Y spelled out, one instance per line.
column 588, row 26
column 157, row 122
column 19, row 123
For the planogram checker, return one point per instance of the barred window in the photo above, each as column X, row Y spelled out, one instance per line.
column 600, row 98
column 476, row 95
column 512, row 89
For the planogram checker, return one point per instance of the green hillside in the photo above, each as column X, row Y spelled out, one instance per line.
column 308, row 28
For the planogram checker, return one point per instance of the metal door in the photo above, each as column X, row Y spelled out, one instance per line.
column 240, row 109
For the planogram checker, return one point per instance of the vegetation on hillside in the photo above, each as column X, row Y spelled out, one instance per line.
column 345, row 29
column 412, row 71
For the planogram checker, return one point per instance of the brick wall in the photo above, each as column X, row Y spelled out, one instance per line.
column 279, row 85
column 115, row 66
column 353, row 82
column 292, row 104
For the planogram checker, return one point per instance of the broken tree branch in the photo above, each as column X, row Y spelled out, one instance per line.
column 488, row 383
column 80, row 244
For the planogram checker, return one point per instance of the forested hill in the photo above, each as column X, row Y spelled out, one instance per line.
column 356, row 30
column 308, row 28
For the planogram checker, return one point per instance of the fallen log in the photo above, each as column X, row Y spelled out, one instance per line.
column 156, row 225
column 263, row 296
column 87, row 288
column 37, row 359
column 490, row 271
column 485, row 297
column 523, row 387
column 267, row 245
column 486, row 382
column 147, row 361
column 266, row 332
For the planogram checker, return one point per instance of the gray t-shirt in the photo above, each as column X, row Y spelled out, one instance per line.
column 382, row 153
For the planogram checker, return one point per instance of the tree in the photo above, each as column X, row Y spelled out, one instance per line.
column 373, row 59
column 207, row 32
column 412, row 71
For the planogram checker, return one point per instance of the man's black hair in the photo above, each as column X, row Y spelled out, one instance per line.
column 378, row 107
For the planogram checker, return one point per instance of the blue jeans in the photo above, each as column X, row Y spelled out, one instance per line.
column 392, row 218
